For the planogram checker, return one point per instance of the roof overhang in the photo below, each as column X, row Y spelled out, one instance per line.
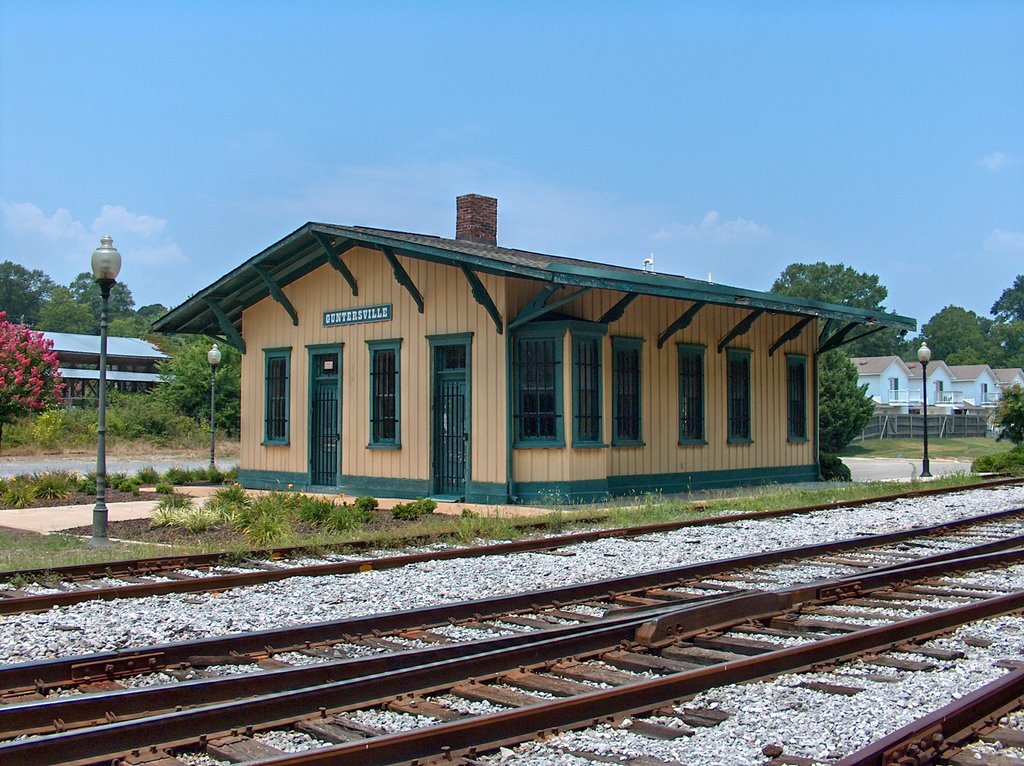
column 217, row 310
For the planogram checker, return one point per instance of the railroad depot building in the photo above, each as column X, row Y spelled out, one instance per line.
column 403, row 365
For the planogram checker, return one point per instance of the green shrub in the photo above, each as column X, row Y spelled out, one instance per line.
column 213, row 475
column 123, row 483
column 421, row 506
column 148, row 475
column 143, row 416
column 47, row 429
column 231, row 474
column 19, row 493
column 177, row 475
column 55, row 485
column 1011, row 462
column 266, row 520
column 832, row 468
column 314, row 511
column 231, row 493
column 87, row 483
column 170, row 510
column 366, row 505
column 345, row 517
column 163, row 488
column 198, row 519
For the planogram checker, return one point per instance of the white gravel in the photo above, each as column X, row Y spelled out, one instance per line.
column 110, row 625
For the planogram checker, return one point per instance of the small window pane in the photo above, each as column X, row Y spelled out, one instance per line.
column 739, row 396
column 691, row 394
column 796, row 386
column 587, row 383
column 384, row 396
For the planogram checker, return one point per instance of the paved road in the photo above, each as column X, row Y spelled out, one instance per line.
column 14, row 466
column 894, row 469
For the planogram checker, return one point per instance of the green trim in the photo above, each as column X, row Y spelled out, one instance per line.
column 620, row 343
column 794, row 361
column 452, row 339
column 486, row 492
column 334, row 259
column 578, row 337
column 670, row 483
column 392, row 344
column 274, row 480
column 312, row 350
column 384, row 486
column 681, row 323
column 615, row 313
column 540, row 305
column 481, row 296
column 276, row 293
column 231, row 334
column 791, row 334
column 540, row 331
column 732, row 437
column 742, row 328
column 270, row 354
column 563, row 492
column 695, row 350
column 402, row 277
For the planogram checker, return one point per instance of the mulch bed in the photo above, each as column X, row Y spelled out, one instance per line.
column 81, row 498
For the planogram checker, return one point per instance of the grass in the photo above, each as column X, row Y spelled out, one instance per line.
column 938, row 449
column 25, row 550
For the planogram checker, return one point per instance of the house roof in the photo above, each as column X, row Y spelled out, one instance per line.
column 969, row 371
column 217, row 309
column 73, row 343
column 1007, row 374
column 876, row 365
column 915, row 369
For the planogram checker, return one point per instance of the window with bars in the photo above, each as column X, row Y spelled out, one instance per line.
column 626, row 425
column 276, row 392
column 385, row 409
column 738, row 396
column 796, row 397
column 691, row 394
column 586, row 383
column 537, row 363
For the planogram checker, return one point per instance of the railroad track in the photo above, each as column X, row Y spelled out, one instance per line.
column 313, row 647
column 200, row 573
column 634, row 670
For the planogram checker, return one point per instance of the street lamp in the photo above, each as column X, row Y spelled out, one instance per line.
column 924, row 355
column 106, row 265
column 213, row 357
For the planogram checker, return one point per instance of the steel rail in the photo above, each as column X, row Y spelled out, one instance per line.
column 925, row 740
column 80, row 572
column 184, row 727
column 44, row 674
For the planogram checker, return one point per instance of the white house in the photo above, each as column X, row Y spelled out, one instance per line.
column 1009, row 376
column 943, row 394
column 979, row 384
column 888, row 381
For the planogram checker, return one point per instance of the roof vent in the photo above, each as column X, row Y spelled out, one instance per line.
column 476, row 219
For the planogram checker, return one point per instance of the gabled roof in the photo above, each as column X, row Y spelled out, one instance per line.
column 969, row 371
column 73, row 343
column 876, row 365
column 915, row 369
column 217, row 309
column 1007, row 374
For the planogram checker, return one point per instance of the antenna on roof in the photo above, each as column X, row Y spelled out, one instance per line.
column 709, row 278
column 649, row 262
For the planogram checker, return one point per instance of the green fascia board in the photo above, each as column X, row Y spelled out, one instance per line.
column 189, row 316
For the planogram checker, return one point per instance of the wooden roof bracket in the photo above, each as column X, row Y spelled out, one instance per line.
column 276, row 293
column 231, row 335
column 482, row 297
column 681, row 323
column 334, row 258
column 836, row 339
column 741, row 328
column 614, row 314
column 540, row 305
column 402, row 277
column 864, row 334
column 791, row 334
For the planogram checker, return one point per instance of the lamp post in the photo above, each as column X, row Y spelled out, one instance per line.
column 106, row 265
column 213, row 357
column 924, row 355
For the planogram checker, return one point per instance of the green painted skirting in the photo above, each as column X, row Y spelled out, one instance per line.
column 667, row 483
column 379, row 486
column 487, row 493
column 279, row 480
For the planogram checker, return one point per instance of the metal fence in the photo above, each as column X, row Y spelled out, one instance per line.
column 939, row 426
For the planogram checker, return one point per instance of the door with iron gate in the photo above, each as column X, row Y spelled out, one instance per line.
column 451, row 420
column 324, row 417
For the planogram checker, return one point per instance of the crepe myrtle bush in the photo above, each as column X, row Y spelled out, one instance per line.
column 29, row 376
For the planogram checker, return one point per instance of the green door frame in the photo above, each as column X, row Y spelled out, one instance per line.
column 311, row 353
column 454, row 339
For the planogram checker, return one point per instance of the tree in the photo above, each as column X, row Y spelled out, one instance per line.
column 844, row 406
column 186, row 382
column 85, row 291
column 23, row 292
column 29, row 376
column 62, row 313
column 836, row 283
column 959, row 336
column 1010, row 306
column 1010, row 415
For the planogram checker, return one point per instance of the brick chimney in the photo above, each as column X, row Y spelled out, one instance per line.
column 476, row 219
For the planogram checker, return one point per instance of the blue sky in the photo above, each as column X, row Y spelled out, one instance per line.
column 726, row 138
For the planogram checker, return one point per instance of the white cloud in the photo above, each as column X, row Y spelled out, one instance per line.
column 117, row 218
column 996, row 161
column 1001, row 241
column 26, row 219
column 712, row 229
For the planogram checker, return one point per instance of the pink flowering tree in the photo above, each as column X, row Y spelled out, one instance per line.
column 29, row 377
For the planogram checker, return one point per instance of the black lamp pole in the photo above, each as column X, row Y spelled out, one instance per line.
column 924, row 355
column 106, row 264
column 213, row 357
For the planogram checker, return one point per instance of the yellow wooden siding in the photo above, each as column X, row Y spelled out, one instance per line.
column 646, row 318
column 449, row 308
